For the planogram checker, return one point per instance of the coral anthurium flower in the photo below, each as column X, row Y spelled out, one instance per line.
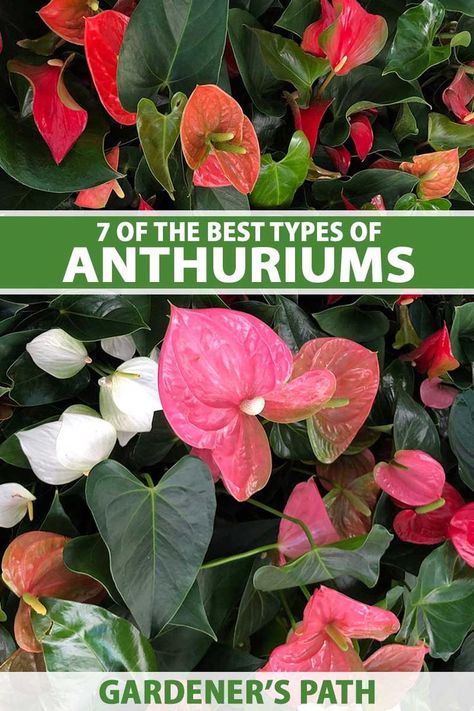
column 58, row 117
column 353, row 492
column 437, row 171
column 346, row 34
column 210, row 174
column 356, row 370
column 218, row 370
column 33, row 567
column 432, row 527
column 459, row 95
column 435, row 393
column 305, row 503
column 397, row 658
column 434, row 356
column 362, row 134
column 15, row 503
column 341, row 158
column 98, row 197
column 412, row 478
column 461, row 533
column 322, row 643
column 103, row 40
column 67, row 17
column 214, row 124
column 308, row 120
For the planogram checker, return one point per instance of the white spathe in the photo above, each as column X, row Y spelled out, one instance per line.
column 63, row 451
column 121, row 347
column 15, row 501
column 58, row 353
column 129, row 397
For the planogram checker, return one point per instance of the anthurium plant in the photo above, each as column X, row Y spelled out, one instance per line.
column 238, row 483
column 236, row 104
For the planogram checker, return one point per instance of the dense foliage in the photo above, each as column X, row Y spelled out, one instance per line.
column 335, row 104
column 369, row 457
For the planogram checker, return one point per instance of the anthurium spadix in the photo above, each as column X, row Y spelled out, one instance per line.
column 15, row 503
column 58, row 353
column 129, row 397
column 63, row 451
column 218, row 370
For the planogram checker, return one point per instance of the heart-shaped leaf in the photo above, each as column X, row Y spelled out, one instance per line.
column 413, row 428
column 92, row 318
column 444, row 134
column 279, row 180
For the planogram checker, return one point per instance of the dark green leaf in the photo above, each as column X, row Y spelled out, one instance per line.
column 7, row 644
column 290, row 442
column 464, row 6
column 413, row 428
column 461, row 435
column 293, row 324
column 151, row 447
column 256, row 607
column 57, row 520
column 15, row 196
column 89, row 556
column 298, row 15
column 279, row 180
column 32, row 386
column 465, row 661
column 363, row 186
column 91, row 318
column 353, row 322
column 12, row 346
column 462, row 333
column 192, row 614
column 219, row 199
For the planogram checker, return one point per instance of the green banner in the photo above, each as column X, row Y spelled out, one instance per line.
column 208, row 252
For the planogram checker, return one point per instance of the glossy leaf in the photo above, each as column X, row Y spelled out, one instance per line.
column 90, row 318
column 461, row 435
column 444, row 134
column 298, row 15
column 293, row 324
column 413, row 428
column 462, row 333
column 89, row 556
column 279, row 180
column 47, row 389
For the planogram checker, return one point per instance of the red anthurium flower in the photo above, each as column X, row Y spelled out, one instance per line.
column 33, row 567
column 309, row 120
column 230, row 60
column 461, row 533
column 459, row 95
column 466, row 162
column 59, row 118
column 362, row 134
column 126, row 7
column 218, row 370
column 412, row 478
column 434, row 356
column 341, row 158
column 214, row 124
column 347, row 35
column 143, row 205
column 103, row 40
column 97, row 198
column 435, row 393
column 357, row 376
column 353, row 492
column 438, row 173
column 397, row 658
column 323, row 641
column 306, row 504
column 331, row 300
column 431, row 527
column 407, row 299
column 385, row 164
column 67, row 17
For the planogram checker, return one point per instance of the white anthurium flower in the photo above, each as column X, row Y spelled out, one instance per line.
column 63, row 451
column 15, row 502
column 121, row 347
column 58, row 353
column 129, row 397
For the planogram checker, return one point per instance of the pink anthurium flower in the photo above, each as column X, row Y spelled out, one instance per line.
column 341, row 158
column 459, row 95
column 306, row 504
column 309, row 120
column 323, row 641
column 67, row 17
column 346, row 34
column 431, row 527
column 58, row 117
column 98, row 197
column 103, row 40
column 412, row 478
column 434, row 356
column 461, row 533
column 435, row 393
column 210, row 174
column 397, row 658
column 377, row 203
column 362, row 134
column 353, row 492
column 356, row 370
column 437, row 172
column 218, row 370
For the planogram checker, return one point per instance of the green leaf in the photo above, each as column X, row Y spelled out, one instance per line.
column 149, row 448
column 170, row 45
column 87, row 638
column 263, row 89
column 255, row 7
column 412, row 51
column 444, row 134
column 12, row 345
column 351, row 321
column 32, row 386
column 192, row 614
column 359, row 557
column 461, row 435
column 227, row 198
column 413, row 428
column 465, row 661
column 89, row 556
column 293, row 324
column 57, row 520
column 439, row 608
column 256, row 607
column 7, row 644
column 464, row 6
column 363, row 186
column 91, row 318
column 157, row 536
column 15, row 196
column 158, row 134
column 288, row 62
column 290, row 442
column 279, row 180
column 397, row 377
column 405, row 126
column 26, row 158
column 298, row 15
column 462, row 333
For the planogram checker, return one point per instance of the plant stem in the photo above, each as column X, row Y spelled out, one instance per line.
column 279, row 514
column 305, row 592
column 288, row 612
column 149, row 480
column 325, row 84
column 239, row 556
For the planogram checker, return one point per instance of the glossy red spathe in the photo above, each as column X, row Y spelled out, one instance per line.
column 98, row 197
column 434, row 356
column 67, row 17
column 432, row 527
column 459, row 95
column 461, row 533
